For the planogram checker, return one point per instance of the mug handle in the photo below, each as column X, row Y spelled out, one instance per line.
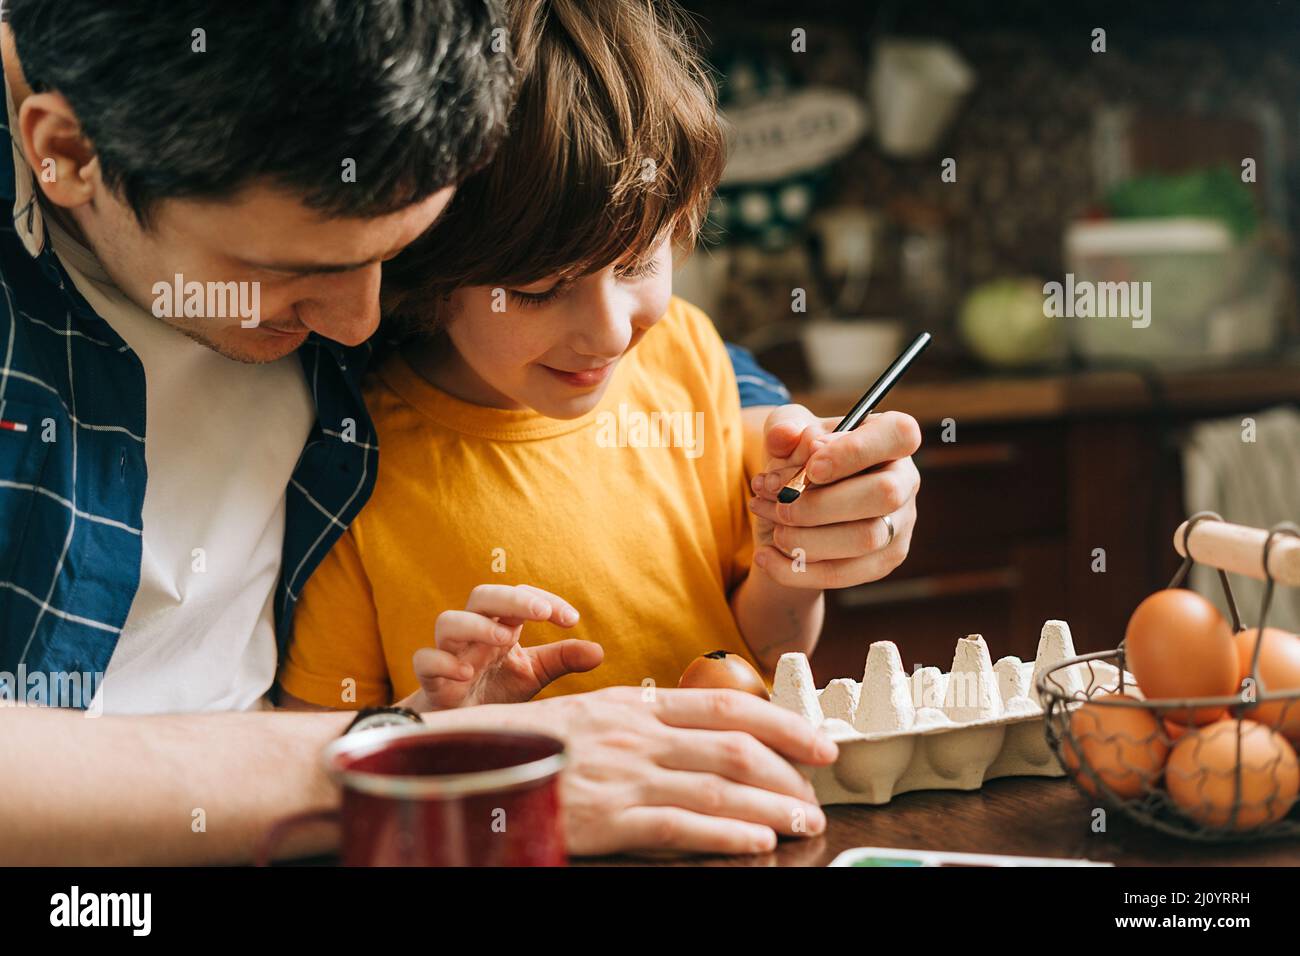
column 269, row 842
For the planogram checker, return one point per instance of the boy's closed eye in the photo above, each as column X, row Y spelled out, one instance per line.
column 549, row 290
column 541, row 292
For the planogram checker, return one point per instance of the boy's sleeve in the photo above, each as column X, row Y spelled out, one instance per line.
column 336, row 658
column 756, row 385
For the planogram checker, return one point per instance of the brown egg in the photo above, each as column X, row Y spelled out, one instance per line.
column 1201, row 775
column 1122, row 745
column 1279, row 670
column 1178, row 645
column 726, row 671
column 1174, row 730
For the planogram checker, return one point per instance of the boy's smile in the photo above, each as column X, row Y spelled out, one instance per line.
column 584, row 378
column 551, row 346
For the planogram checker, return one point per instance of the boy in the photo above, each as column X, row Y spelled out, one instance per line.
column 583, row 424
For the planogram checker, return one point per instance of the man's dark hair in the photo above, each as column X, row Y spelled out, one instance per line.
column 285, row 91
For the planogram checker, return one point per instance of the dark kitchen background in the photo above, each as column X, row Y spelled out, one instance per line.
column 932, row 165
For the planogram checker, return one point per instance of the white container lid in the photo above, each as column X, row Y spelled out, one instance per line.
column 1118, row 237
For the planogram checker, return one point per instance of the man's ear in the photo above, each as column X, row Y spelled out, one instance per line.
column 60, row 155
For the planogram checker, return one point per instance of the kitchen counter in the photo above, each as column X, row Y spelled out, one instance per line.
column 1026, row 816
column 1008, row 397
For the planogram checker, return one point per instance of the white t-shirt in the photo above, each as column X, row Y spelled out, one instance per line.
column 221, row 441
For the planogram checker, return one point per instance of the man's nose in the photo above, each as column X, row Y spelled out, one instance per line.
column 344, row 306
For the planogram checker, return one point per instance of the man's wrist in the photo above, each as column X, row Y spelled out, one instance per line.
column 524, row 716
column 417, row 701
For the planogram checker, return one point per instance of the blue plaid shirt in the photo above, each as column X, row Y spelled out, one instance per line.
column 72, row 458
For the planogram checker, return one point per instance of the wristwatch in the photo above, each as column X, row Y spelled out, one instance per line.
column 372, row 717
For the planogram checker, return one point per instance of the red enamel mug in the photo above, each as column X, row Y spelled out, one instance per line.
column 425, row 797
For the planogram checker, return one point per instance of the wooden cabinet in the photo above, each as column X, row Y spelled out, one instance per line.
column 987, row 557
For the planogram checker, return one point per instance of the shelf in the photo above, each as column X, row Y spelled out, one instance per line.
column 1092, row 394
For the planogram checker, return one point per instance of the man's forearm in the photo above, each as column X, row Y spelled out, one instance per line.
column 173, row 789
column 776, row 620
column 159, row 790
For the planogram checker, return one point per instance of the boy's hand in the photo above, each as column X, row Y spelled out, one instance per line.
column 834, row 535
column 478, row 659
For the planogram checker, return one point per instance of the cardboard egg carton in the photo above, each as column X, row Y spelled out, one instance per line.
column 935, row 731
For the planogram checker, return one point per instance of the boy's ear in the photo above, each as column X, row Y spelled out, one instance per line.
column 62, row 158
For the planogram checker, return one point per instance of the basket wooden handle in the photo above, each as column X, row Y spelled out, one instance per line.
column 1239, row 549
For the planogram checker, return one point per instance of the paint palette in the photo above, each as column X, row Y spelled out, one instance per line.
column 877, row 856
column 935, row 731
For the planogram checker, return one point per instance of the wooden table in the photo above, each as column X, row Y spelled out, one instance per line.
column 1022, row 817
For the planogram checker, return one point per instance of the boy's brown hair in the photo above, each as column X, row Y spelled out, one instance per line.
column 614, row 145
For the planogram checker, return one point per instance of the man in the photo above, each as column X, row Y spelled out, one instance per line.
column 202, row 204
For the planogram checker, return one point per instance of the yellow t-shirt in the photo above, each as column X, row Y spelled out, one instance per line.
column 635, row 517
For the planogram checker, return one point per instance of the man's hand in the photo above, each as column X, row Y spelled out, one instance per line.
column 856, row 478
column 478, row 660
column 686, row 770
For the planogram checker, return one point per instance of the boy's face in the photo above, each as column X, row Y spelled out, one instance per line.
column 552, row 346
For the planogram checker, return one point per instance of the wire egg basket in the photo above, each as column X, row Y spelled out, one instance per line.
column 1247, row 800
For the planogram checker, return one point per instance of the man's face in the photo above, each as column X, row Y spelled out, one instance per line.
column 314, row 273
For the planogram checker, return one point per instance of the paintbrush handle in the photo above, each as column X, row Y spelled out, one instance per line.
column 876, row 394
column 858, row 413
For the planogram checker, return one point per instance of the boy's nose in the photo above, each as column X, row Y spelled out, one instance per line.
column 605, row 329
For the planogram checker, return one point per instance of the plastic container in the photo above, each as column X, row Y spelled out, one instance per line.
column 1203, row 296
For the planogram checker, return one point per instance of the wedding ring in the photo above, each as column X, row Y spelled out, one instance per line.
column 889, row 523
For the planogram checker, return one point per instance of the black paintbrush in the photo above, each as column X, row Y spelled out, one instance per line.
column 859, row 412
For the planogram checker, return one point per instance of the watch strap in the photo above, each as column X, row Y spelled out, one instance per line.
column 366, row 718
